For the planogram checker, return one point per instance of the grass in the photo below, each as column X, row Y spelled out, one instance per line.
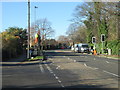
column 36, row 58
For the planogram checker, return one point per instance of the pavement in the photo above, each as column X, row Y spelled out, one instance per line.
column 117, row 57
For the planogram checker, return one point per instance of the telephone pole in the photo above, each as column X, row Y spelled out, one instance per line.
column 28, row 49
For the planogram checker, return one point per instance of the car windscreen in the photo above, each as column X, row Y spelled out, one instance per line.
column 85, row 46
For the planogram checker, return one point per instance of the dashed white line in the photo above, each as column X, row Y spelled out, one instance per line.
column 58, row 67
column 110, row 73
column 41, row 68
column 59, row 81
column 50, row 70
column 96, row 68
column 90, row 67
column 56, row 77
column 85, row 64
column 74, row 60
column 62, row 85
column 107, row 62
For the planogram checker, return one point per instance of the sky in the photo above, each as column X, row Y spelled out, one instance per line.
column 14, row 14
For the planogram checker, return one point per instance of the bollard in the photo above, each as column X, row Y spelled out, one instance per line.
column 109, row 51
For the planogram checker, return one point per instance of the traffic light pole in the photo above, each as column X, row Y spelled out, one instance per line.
column 102, row 47
column 102, row 40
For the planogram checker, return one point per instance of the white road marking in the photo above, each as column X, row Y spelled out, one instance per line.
column 58, row 67
column 85, row 64
column 110, row 73
column 90, row 67
column 94, row 59
column 56, row 77
column 48, row 68
column 41, row 68
column 51, row 71
column 96, row 68
column 107, row 62
column 74, row 60
column 62, row 85
column 59, row 81
column 68, row 58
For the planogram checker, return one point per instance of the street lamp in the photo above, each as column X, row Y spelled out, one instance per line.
column 35, row 16
column 28, row 49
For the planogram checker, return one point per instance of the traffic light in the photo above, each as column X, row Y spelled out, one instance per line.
column 102, row 37
column 93, row 39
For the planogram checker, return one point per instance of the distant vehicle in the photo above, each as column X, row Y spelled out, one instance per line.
column 81, row 47
column 72, row 48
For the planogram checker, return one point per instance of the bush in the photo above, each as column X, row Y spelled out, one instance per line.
column 114, row 45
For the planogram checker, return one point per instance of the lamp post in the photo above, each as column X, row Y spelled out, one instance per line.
column 35, row 16
column 28, row 49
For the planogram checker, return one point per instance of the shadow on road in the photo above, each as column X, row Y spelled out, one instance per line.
column 35, row 62
column 63, row 54
column 42, row 87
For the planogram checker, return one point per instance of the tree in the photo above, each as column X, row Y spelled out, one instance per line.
column 63, row 41
column 13, row 40
column 77, row 34
column 99, row 18
column 44, row 27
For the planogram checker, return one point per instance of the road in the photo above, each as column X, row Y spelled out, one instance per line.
column 63, row 69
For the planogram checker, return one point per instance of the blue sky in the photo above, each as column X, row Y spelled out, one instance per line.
column 58, row 13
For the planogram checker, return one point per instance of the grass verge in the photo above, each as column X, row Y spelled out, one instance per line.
column 36, row 58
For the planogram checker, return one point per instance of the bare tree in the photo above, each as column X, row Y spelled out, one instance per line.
column 63, row 40
column 43, row 26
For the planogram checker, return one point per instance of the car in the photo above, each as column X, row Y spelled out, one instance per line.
column 83, row 48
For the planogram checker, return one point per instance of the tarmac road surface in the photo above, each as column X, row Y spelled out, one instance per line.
column 65, row 70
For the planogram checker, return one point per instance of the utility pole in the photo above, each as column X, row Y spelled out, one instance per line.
column 28, row 49
column 35, row 16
